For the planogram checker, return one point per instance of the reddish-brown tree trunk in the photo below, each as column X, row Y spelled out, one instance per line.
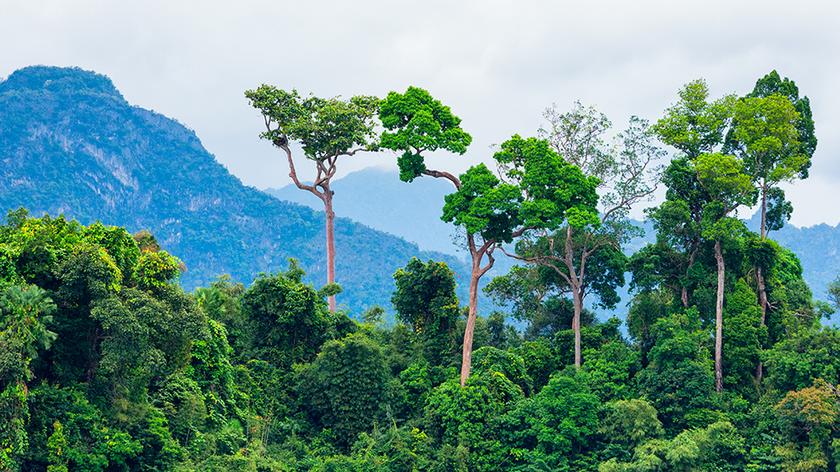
column 721, row 274
column 330, row 230
column 759, row 278
column 577, row 301
column 759, row 275
column 469, row 329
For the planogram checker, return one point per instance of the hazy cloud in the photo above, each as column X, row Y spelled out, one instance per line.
column 498, row 64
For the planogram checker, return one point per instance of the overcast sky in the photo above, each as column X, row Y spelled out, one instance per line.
column 497, row 64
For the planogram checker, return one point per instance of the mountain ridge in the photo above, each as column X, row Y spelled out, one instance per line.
column 71, row 144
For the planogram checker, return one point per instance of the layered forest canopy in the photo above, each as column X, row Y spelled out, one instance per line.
column 107, row 363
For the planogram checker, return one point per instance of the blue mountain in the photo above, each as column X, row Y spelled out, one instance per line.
column 70, row 144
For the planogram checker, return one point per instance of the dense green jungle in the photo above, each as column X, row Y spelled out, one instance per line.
column 725, row 361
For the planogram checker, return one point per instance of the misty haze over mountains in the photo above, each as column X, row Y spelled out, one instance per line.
column 377, row 198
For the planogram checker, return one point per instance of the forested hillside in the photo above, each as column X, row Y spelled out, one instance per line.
column 70, row 144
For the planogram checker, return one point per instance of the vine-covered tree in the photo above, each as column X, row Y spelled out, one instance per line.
column 729, row 187
column 425, row 300
column 773, row 132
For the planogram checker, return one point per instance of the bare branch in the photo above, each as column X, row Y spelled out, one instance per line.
column 442, row 174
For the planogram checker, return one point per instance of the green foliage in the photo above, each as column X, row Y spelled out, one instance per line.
column 155, row 269
column 416, row 122
column 765, row 134
column 794, row 363
column 556, row 190
column 484, row 205
column 809, row 417
column 492, row 360
column 535, row 294
column 626, row 424
column 459, row 415
column 554, row 428
column 57, row 445
column 610, row 368
column 325, row 128
column 345, row 387
column 425, row 300
column 678, row 380
column 288, row 320
column 772, row 84
column 25, row 317
column 716, row 447
column 694, row 125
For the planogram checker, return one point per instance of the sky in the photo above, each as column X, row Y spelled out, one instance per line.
column 497, row 64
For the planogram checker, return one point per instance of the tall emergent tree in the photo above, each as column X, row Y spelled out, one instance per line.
column 724, row 179
column 773, row 132
column 586, row 254
column 694, row 126
column 326, row 129
column 705, row 187
column 541, row 189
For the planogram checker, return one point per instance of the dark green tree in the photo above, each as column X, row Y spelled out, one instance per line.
column 288, row 320
column 425, row 300
column 345, row 387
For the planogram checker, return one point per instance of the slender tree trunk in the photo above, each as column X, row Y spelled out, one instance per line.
column 684, row 289
column 759, row 278
column 576, row 284
column 762, row 291
column 721, row 274
column 577, row 301
column 469, row 330
column 763, row 211
column 330, row 230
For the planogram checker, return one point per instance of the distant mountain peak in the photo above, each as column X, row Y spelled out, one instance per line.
column 70, row 80
column 70, row 143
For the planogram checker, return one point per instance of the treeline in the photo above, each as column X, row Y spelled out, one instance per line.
column 106, row 364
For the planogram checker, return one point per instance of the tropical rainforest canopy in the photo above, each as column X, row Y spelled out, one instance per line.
column 106, row 363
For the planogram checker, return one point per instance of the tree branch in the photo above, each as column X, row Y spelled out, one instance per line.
column 442, row 174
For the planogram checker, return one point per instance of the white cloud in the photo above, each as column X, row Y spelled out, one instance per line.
column 497, row 63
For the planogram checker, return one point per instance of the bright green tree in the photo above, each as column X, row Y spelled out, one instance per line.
column 541, row 190
column 773, row 131
column 586, row 253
